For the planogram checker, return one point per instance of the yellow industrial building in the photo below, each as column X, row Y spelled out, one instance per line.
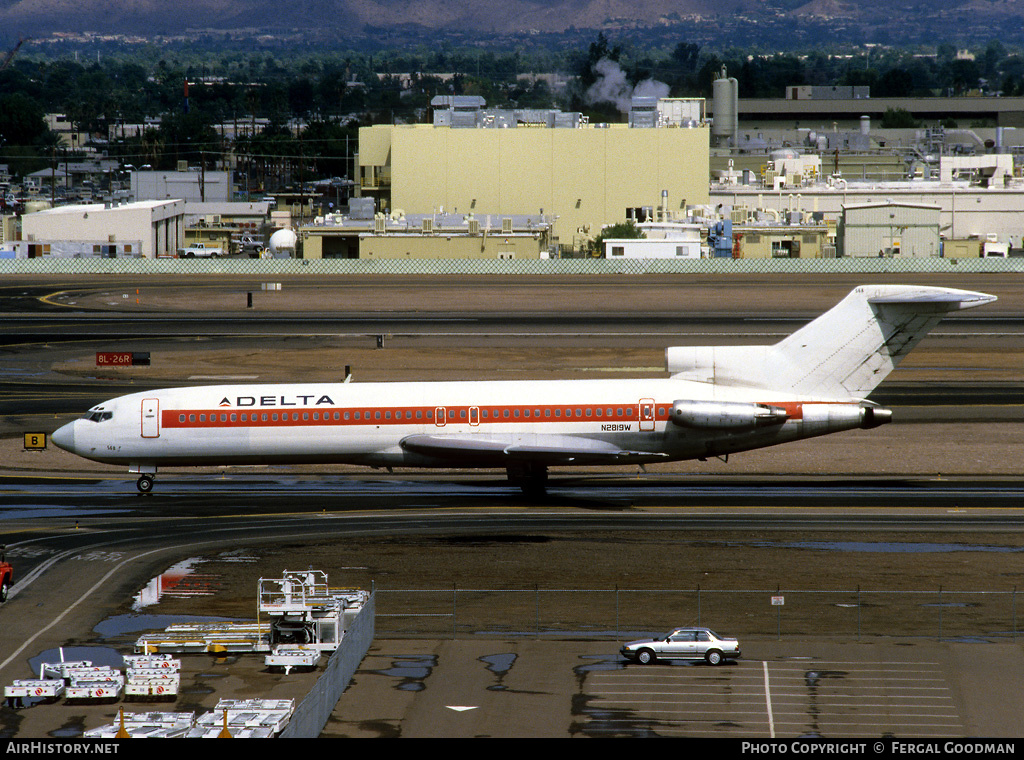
column 427, row 236
column 584, row 177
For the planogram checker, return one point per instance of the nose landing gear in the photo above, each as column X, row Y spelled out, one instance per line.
column 147, row 473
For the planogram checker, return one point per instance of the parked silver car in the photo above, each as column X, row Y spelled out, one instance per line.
column 683, row 644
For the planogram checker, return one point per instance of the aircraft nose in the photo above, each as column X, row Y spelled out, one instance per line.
column 64, row 437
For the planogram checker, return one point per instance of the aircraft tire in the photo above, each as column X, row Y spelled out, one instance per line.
column 144, row 484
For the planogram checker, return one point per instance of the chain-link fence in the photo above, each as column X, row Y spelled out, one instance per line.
column 618, row 614
column 268, row 267
column 313, row 712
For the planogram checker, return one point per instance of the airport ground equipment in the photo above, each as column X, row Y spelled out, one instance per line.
column 302, row 608
column 45, row 689
column 94, row 683
column 152, row 725
column 152, row 676
column 6, row 575
column 63, row 669
column 239, row 718
column 292, row 656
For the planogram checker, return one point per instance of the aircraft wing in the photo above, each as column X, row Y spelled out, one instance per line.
column 541, row 449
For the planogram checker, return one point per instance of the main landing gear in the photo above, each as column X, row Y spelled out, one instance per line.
column 531, row 478
column 144, row 484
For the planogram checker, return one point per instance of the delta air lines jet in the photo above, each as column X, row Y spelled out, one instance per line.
column 717, row 401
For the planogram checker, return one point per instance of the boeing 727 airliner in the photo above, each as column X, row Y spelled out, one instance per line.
column 717, row 401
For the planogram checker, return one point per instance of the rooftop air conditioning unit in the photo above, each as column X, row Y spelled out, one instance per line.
column 474, row 227
column 506, row 226
column 428, row 226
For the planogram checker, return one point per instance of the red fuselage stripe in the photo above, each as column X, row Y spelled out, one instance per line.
column 399, row 415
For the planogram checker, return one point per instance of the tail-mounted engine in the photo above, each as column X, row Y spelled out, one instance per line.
column 726, row 415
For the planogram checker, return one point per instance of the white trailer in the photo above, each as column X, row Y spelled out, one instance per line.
column 245, row 718
column 154, row 725
column 289, row 657
column 45, row 689
column 62, row 668
column 152, row 683
column 95, row 689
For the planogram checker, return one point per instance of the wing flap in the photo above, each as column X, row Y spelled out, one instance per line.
column 543, row 449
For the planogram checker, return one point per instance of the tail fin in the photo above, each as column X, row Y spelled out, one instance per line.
column 844, row 353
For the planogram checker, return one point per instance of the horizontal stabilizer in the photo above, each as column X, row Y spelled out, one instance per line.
column 843, row 354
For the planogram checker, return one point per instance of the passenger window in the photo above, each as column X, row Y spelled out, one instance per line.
column 181, row 418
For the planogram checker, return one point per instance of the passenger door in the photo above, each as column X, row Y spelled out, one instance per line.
column 150, row 418
column 646, row 412
column 681, row 645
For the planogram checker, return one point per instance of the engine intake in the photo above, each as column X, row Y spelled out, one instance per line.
column 726, row 415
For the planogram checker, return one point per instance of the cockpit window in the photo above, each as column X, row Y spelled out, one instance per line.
column 98, row 416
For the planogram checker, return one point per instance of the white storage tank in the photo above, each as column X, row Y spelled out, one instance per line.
column 282, row 244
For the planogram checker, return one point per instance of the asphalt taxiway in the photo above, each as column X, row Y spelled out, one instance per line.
column 84, row 541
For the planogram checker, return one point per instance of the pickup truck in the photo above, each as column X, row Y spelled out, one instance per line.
column 200, row 250
column 6, row 575
column 251, row 246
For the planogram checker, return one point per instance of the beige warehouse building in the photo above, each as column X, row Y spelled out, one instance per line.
column 587, row 177
column 156, row 227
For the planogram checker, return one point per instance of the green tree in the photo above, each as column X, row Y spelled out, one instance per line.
column 897, row 118
column 621, row 231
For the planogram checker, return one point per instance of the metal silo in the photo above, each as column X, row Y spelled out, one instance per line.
column 725, row 96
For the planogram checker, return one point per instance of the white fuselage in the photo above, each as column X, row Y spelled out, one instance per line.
column 367, row 423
